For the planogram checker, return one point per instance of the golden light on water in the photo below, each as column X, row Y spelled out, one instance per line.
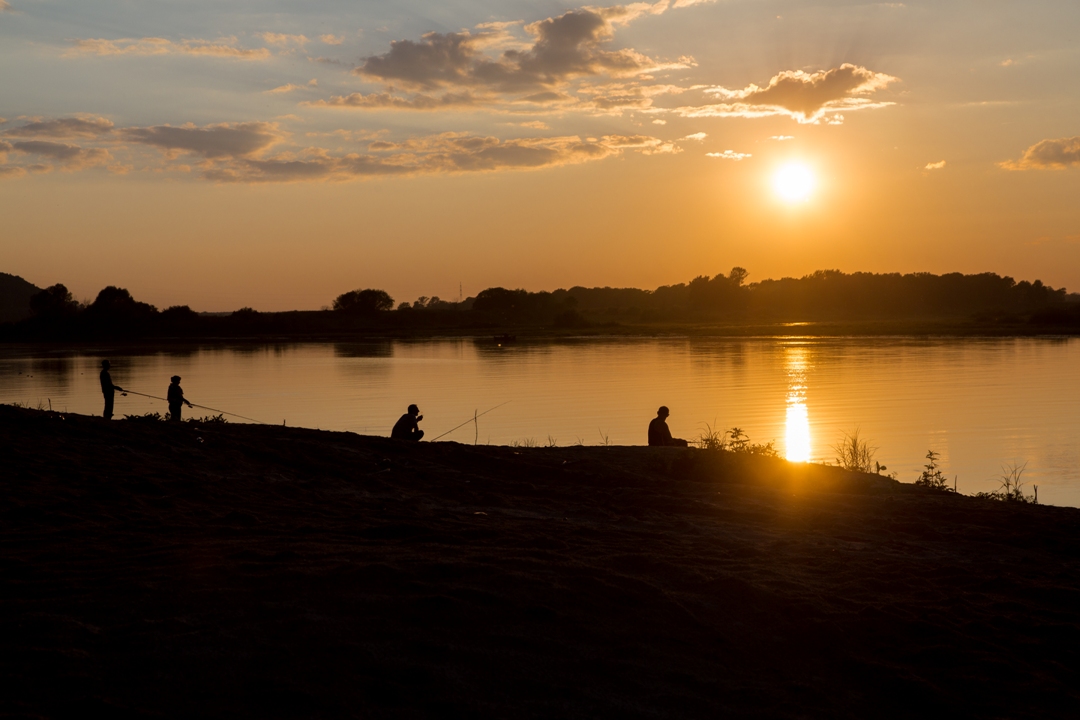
column 797, row 433
column 794, row 182
column 797, row 420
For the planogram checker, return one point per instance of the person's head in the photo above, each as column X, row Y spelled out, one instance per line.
column 105, row 364
column 662, row 412
column 175, row 379
column 413, row 410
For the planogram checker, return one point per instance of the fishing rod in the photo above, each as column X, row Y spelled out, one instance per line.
column 472, row 419
column 155, row 397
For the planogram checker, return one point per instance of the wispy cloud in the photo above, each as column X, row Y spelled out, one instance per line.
column 331, row 39
column 5, row 6
column 729, row 155
column 87, row 126
column 289, row 87
column 1048, row 155
column 699, row 136
column 283, row 40
column 164, row 46
column 388, row 101
column 445, row 153
column 806, row 97
column 259, row 152
column 939, row 165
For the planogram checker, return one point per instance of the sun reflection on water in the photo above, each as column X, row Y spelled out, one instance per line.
column 797, row 420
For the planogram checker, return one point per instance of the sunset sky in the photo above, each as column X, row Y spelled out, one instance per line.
column 276, row 153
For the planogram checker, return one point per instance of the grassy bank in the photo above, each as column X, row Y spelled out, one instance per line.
column 240, row 570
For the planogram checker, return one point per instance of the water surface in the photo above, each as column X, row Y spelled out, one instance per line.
column 980, row 403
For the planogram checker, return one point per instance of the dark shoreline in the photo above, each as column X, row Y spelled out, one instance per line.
column 913, row 329
column 241, row 570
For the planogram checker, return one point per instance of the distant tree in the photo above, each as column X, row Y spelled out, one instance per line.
column 178, row 319
column 53, row 302
column 363, row 302
column 115, row 313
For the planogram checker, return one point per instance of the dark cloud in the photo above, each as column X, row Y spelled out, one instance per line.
column 806, row 97
column 62, row 128
column 70, row 157
column 562, row 48
column 1048, row 155
column 212, row 141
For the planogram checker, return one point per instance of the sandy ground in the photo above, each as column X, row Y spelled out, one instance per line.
column 253, row 571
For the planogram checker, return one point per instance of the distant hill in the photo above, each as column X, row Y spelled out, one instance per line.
column 15, row 294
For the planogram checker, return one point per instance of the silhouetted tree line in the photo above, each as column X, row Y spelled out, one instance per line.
column 985, row 299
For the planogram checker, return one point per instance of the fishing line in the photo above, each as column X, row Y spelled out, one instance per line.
column 472, row 419
column 242, row 417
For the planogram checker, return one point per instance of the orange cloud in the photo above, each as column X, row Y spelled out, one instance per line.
column 1048, row 155
column 806, row 97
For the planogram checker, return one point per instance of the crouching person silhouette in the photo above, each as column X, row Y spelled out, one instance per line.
column 659, row 434
column 175, row 396
column 405, row 428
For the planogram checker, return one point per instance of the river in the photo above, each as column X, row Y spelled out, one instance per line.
column 982, row 404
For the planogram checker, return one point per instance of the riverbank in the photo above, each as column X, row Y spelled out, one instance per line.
column 232, row 570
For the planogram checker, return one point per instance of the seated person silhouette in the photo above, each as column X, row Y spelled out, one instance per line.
column 659, row 434
column 405, row 428
column 176, row 398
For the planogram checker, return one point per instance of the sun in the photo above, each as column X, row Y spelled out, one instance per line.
column 794, row 182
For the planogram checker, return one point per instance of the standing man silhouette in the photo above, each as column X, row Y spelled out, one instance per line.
column 108, row 389
column 176, row 399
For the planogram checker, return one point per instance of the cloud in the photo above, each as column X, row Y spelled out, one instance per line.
column 445, row 153
column 211, row 141
column 806, row 97
column 935, row 165
column 163, row 46
column 729, row 155
column 387, row 101
column 289, row 87
column 696, row 136
column 5, row 6
column 559, row 49
column 70, row 157
column 1048, row 155
column 62, row 128
column 782, row 138
column 331, row 39
column 282, row 39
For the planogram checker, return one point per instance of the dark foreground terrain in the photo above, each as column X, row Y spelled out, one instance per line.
column 253, row 571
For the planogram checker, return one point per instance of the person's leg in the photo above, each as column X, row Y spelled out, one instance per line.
column 419, row 434
column 174, row 413
column 108, row 412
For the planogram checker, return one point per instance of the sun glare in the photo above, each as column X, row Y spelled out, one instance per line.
column 794, row 182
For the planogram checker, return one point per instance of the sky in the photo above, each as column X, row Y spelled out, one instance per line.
column 275, row 153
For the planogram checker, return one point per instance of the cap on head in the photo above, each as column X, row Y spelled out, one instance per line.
column 663, row 411
column 175, row 378
column 413, row 409
column 105, row 363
